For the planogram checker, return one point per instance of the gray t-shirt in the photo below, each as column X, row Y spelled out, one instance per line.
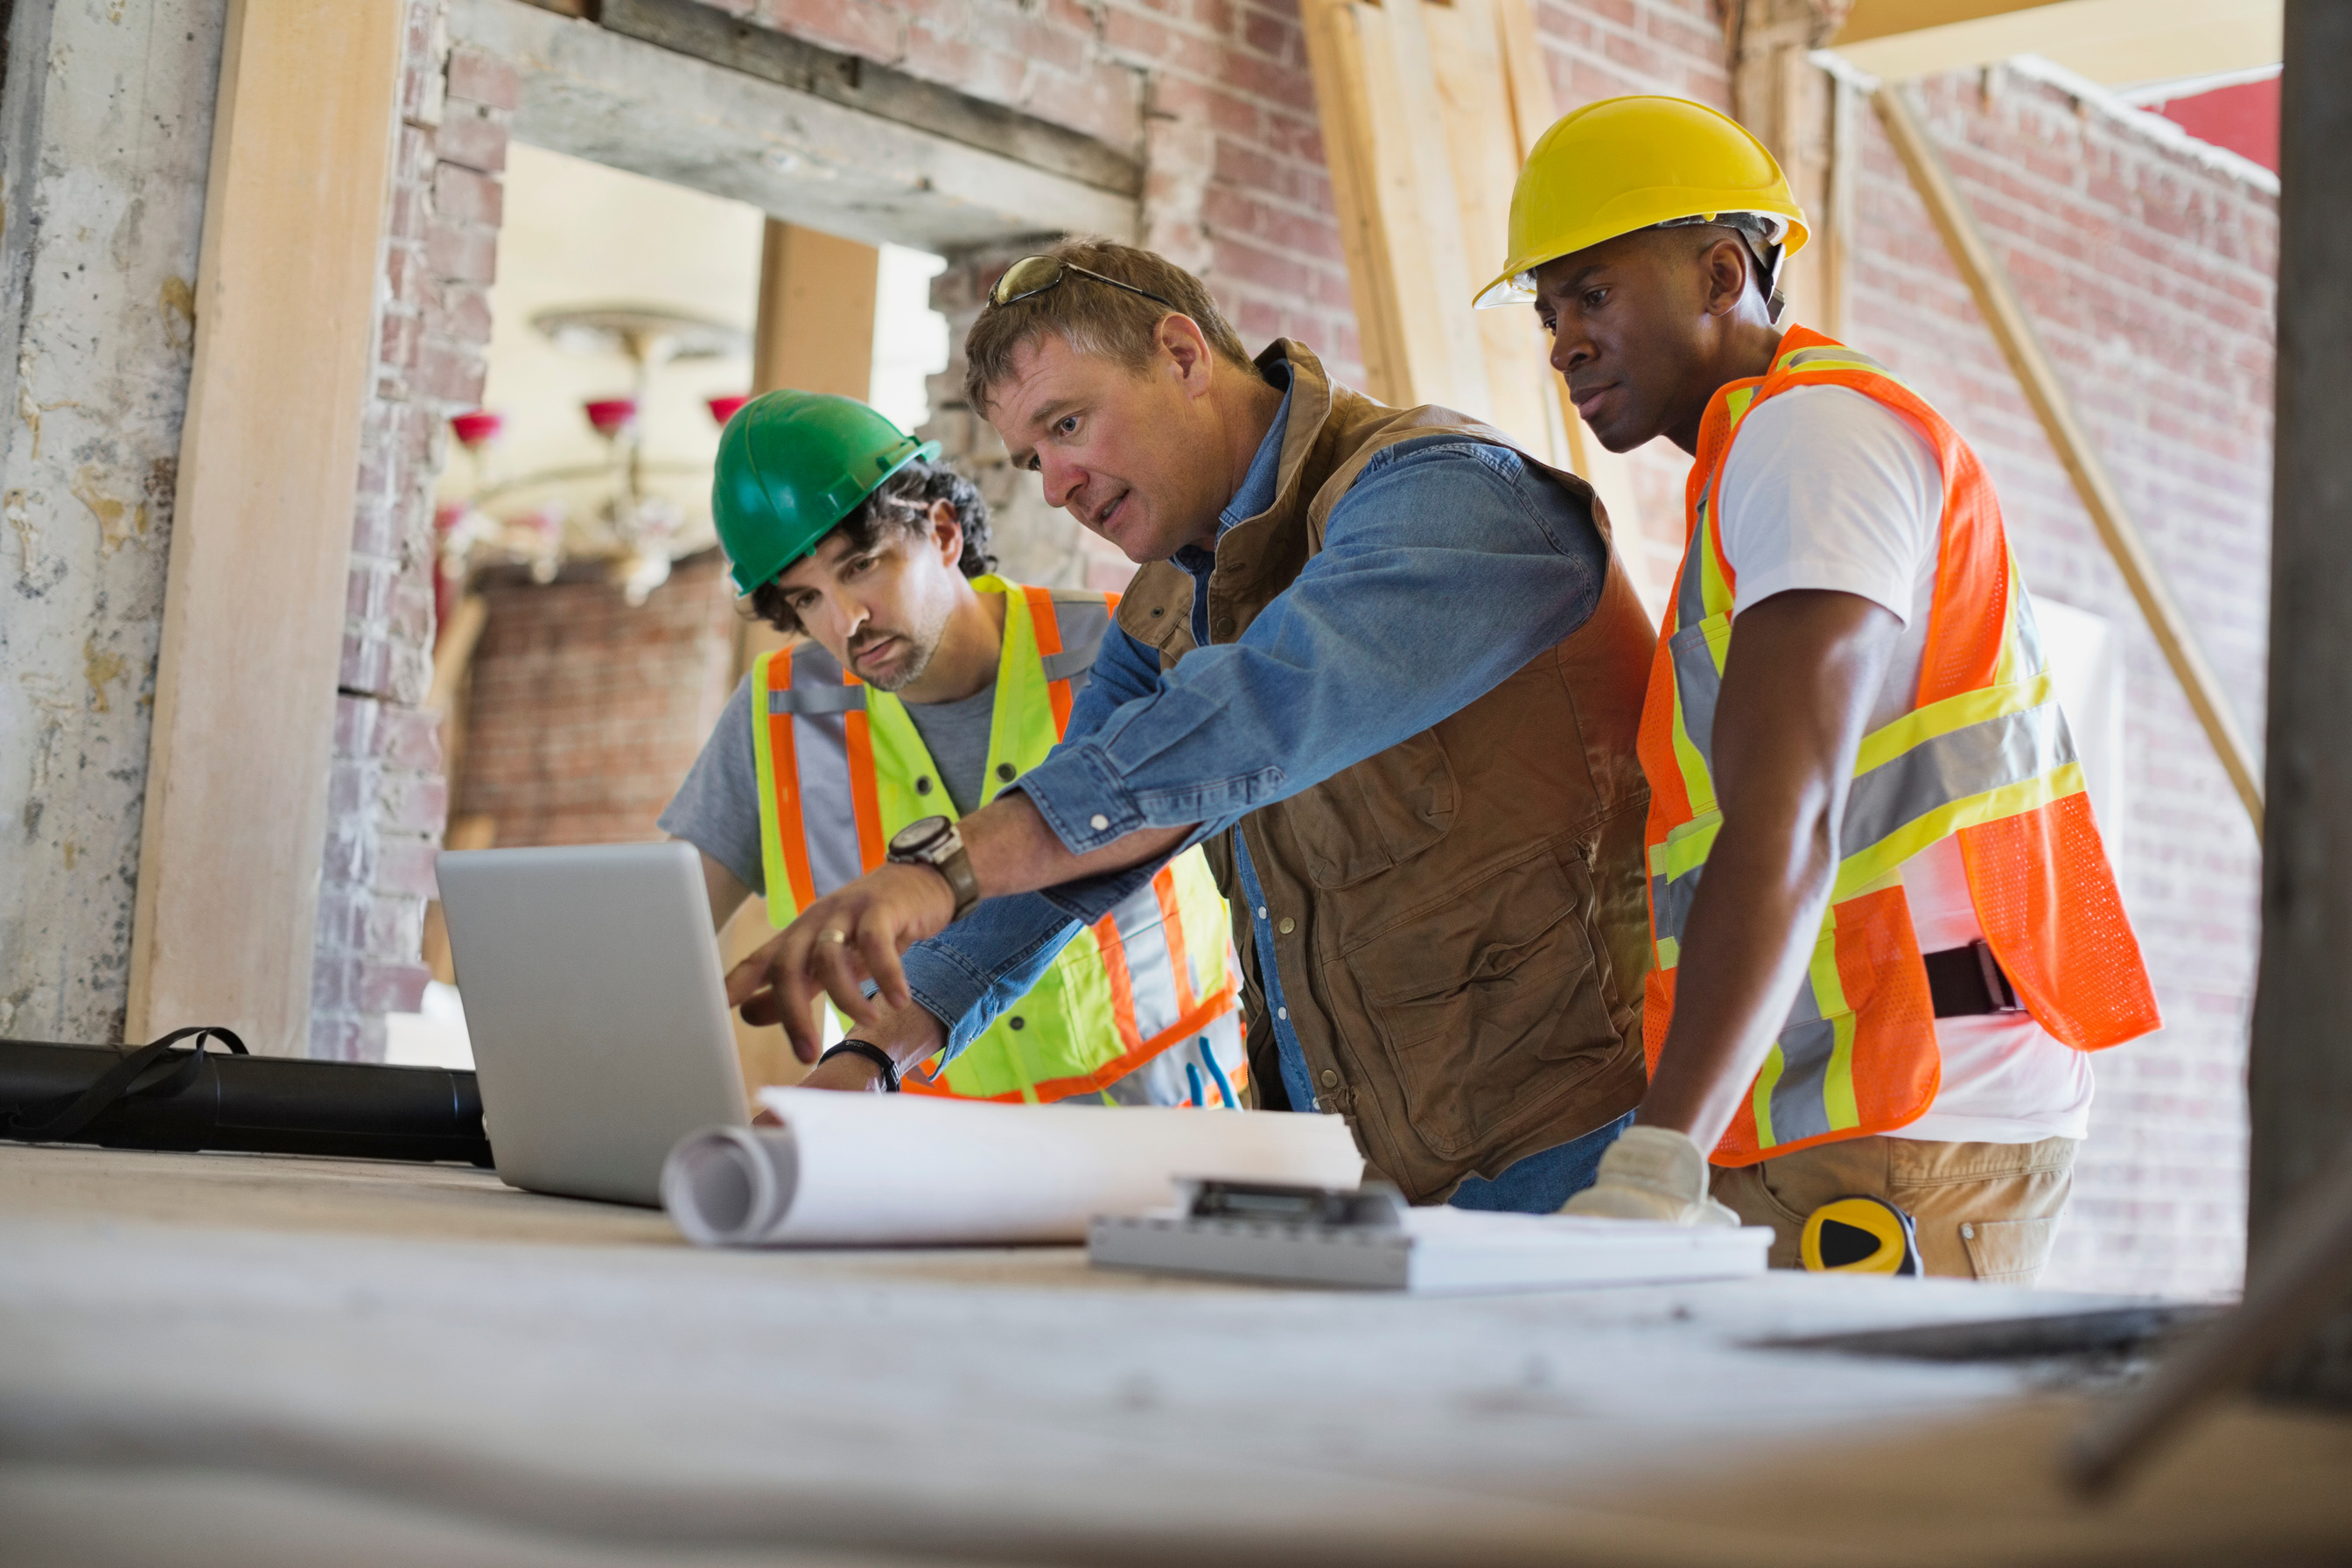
column 717, row 809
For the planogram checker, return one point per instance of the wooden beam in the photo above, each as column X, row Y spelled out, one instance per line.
column 1399, row 222
column 234, row 821
column 2014, row 331
column 1792, row 105
column 815, row 331
column 2110, row 41
column 816, row 328
column 1832, row 265
column 2299, row 1076
column 852, row 81
column 875, row 166
column 1886, row 19
column 1387, row 72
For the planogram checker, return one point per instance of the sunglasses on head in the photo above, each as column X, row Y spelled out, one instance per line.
column 1033, row 275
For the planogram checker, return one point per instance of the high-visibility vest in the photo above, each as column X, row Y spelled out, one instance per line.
column 1983, row 753
column 842, row 768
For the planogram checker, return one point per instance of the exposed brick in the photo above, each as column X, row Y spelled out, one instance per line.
column 403, row 272
column 459, row 252
column 475, row 136
column 586, row 713
column 391, row 988
column 396, row 342
column 406, row 866
column 468, row 195
column 452, row 373
column 866, row 27
column 461, row 313
column 354, row 726
column 365, row 663
column 480, row 77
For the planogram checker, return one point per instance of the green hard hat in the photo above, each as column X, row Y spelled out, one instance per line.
column 792, row 465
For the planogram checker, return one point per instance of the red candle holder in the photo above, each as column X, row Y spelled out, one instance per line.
column 611, row 416
column 475, row 428
column 722, row 409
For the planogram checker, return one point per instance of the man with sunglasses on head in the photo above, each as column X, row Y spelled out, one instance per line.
column 1384, row 665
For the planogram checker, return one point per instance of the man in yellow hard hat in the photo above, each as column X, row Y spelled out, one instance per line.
column 1886, row 932
column 919, row 685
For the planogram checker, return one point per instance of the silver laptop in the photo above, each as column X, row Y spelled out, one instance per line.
column 598, row 1011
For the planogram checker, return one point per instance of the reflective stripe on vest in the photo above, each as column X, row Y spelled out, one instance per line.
column 1984, row 753
column 842, row 768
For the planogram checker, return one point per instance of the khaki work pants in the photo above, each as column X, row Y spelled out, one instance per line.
column 1982, row 1211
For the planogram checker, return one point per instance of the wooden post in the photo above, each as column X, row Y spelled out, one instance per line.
column 815, row 332
column 1792, row 105
column 235, row 812
column 2014, row 331
column 2300, row 1076
column 1428, row 109
column 1833, row 263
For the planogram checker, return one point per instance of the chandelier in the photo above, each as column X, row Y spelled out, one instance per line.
column 537, row 519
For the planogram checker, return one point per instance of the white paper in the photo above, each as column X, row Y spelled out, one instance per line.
column 870, row 1170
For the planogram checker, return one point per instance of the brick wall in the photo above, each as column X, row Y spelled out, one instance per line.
column 2148, row 272
column 389, row 801
column 585, row 713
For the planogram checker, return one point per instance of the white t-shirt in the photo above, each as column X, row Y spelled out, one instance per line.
column 1828, row 488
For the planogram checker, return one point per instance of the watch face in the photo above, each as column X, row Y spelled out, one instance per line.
column 919, row 836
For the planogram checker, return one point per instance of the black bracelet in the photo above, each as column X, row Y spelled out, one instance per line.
column 872, row 1053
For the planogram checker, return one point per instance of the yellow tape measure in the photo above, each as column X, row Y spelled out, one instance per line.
column 1860, row 1236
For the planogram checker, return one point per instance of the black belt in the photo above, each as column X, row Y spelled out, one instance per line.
column 1967, row 981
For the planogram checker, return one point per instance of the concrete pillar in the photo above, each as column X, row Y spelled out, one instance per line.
column 2300, row 1073
column 106, row 122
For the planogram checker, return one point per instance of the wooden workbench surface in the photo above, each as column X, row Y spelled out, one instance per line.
column 307, row 1361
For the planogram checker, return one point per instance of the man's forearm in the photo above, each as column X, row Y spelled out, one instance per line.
column 1013, row 851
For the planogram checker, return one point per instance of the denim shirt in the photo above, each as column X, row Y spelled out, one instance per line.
column 1446, row 567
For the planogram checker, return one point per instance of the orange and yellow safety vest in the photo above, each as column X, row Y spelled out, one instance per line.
column 1983, row 753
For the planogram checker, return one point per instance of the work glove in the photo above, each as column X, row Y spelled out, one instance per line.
column 1653, row 1173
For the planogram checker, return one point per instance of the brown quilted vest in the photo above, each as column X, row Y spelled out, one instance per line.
column 1459, row 920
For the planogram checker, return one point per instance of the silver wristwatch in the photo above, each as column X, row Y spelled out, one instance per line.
column 933, row 841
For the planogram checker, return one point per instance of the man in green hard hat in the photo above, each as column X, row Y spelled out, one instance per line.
column 920, row 686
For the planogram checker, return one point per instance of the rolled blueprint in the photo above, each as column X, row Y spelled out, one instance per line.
column 869, row 1170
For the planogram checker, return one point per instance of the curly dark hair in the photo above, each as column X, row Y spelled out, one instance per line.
column 903, row 501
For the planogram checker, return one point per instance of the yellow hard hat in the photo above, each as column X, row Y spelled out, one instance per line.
column 1626, row 164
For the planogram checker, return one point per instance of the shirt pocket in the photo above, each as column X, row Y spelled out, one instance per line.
column 1379, row 813
column 1480, row 1001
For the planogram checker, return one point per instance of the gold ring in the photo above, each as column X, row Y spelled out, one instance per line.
column 837, row 936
